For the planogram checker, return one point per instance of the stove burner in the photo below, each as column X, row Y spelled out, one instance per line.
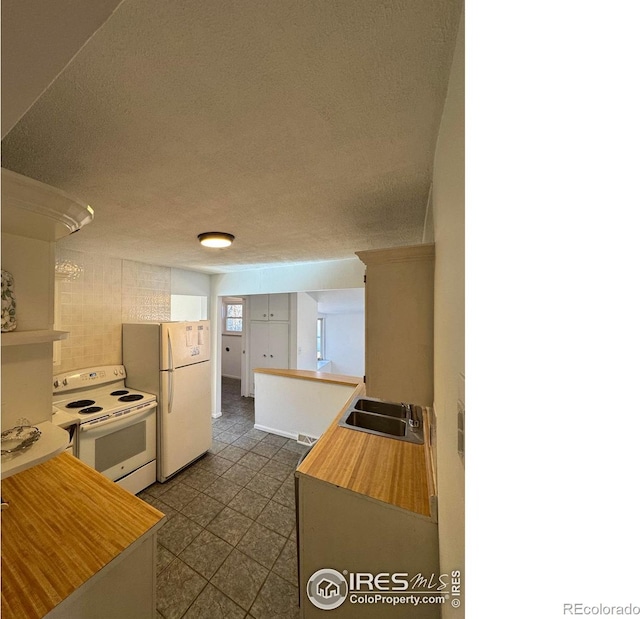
column 130, row 398
column 80, row 403
column 119, row 392
column 91, row 409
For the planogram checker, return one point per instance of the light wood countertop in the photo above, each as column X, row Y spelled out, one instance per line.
column 64, row 523
column 327, row 377
column 392, row 471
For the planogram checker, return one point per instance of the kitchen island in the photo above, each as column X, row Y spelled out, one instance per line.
column 75, row 544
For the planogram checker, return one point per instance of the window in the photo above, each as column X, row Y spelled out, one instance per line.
column 233, row 318
column 320, row 339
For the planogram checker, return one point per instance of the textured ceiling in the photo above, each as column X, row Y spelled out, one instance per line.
column 39, row 38
column 305, row 128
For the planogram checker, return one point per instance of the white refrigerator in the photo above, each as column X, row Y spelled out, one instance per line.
column 172, row 360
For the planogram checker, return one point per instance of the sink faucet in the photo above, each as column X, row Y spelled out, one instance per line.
column 411, row 413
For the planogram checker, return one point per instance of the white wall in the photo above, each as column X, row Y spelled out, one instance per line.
column 327, row 275
column 344, row 343
column 190, row 295
column 189, row 282
column 343, row 311
column 307, row 312
column 189, row 307
column 449, row 309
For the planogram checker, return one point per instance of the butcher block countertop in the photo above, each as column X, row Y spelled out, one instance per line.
column 64, row 523
column 395, row 472
column 326, row 377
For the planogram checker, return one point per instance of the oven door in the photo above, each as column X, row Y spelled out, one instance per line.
column 117, row 447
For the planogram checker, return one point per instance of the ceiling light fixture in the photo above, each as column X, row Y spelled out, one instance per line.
column 216, row 239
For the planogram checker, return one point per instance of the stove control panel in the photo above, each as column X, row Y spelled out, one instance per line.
column 88, row 377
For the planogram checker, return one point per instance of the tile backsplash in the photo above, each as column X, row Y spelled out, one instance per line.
column 94, row 296
column 146, row 292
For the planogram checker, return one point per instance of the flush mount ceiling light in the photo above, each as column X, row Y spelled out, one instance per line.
column 216, row 239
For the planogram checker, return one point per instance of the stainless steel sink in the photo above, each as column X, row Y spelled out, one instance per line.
column 388, row 419
column 377, row 423
column 391, row 409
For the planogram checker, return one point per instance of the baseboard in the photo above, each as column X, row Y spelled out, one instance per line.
column 275, row 431
column 216, row 415
column 308, row 441
column 230, row 376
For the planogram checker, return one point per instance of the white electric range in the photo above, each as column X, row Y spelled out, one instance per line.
column 117, row 425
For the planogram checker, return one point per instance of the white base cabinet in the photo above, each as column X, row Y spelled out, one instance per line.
column 125, row 588
column 358, row 534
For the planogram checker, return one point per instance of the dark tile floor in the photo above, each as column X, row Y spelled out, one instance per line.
column 228, row 548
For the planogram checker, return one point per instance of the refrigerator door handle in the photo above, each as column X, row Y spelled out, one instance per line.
column 170, row 370
column 169, row 350
column 170, row 373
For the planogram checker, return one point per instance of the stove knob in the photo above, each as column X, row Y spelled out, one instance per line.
column 115, row 371
column 64, row 382
column 56, row 384
column 121, row 372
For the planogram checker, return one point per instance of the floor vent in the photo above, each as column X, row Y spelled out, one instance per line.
column 303, row 439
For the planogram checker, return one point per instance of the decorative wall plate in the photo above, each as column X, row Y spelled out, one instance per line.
column 18, row 438
column 8, row 303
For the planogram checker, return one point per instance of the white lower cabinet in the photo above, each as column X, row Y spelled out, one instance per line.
column 125, row 588
column 361, row 538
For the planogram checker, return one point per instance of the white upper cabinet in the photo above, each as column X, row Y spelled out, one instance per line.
column 269, row 307
column 399, row 306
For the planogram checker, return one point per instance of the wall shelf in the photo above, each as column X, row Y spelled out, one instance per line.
column 53, row 440
column 39, row 336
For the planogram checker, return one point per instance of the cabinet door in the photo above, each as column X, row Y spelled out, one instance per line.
column 259, row 307
column 399, row 314
column 278, row 345
column 278, row 307
column 258, row 349
column 269, row 347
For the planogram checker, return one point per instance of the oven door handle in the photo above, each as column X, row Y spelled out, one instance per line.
column 87, row 427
